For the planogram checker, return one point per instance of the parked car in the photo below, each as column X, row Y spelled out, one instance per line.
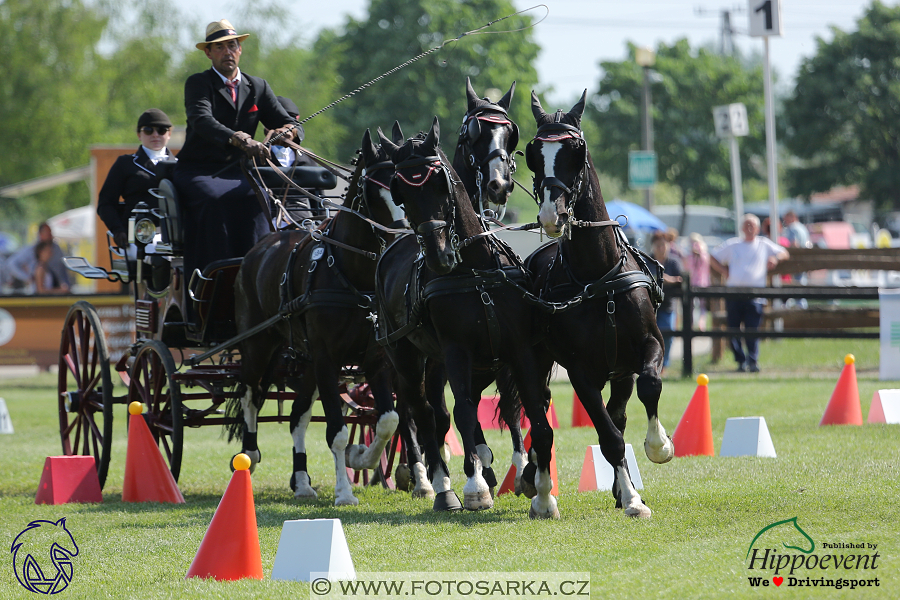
column 714, row 223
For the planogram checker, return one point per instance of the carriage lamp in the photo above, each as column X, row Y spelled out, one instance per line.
column 140, row 228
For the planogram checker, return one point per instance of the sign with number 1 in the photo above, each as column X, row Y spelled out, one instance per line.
column 765, row 18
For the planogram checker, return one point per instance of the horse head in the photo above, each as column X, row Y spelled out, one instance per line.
column 485, row 152
column 557, row 155
column 422, row 184
column 377, row 171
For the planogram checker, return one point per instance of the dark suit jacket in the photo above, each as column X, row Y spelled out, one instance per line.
column 131, row 177
column 212, row 117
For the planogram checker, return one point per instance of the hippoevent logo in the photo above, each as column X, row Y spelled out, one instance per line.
column 42, row 556
column 782, row 553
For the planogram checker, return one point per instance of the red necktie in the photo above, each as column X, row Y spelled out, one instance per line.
column 232, row 85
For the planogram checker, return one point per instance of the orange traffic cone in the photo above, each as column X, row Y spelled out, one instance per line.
column 844, row 407
column 580, row 417
column 693, row 435
column 453, row 442
column 147, row 478
column 230, row 548
column 509, row 481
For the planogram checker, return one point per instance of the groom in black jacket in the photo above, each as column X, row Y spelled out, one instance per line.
column 224, row 106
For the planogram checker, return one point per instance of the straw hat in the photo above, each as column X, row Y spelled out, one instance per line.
column 220, row 31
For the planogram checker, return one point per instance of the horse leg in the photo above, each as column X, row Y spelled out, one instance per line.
column 435, row 380
column 511, row 414
column 301, row 412
column 476, row 493
column 368, row 457
column 421, row 487
column 612, row 444
column 337, row 436
column 658, row 445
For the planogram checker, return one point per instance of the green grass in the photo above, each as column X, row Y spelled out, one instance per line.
column 841, row 483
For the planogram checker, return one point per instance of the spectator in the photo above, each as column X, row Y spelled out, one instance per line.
column 796, row 232
column 20, row 265
column 665, row 314
column 697, row 264
column 45, row 280
column 745, row 261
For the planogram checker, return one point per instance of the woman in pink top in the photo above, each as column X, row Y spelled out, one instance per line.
column 697, row 264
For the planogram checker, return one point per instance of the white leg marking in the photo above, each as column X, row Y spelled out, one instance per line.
column 363, row 457
column 476, row 493
column 423, row 487
column 343, row 491
column 440, row 481
column 543, row 506
column 484, row 453
column 631, row 500
column 250, row 411
column 657, row 444
column 519, row 461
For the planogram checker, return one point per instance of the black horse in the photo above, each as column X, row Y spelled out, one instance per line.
column 443, row 294
column 606, row 330
column 325, row 279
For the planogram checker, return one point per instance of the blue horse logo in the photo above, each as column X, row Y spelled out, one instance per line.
column 32, row 548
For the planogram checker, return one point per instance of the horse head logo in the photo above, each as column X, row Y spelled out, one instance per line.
column 791, row 527
column 42, row 556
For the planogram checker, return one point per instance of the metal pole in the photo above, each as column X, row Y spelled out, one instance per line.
column 647, row 130
column 770, row 145
column 736, row 185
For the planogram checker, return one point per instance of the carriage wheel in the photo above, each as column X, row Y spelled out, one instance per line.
column 85, row 388
column 153, row 384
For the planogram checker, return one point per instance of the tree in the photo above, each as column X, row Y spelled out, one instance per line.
column 398, row 30
column 689, row 154
column 843, row 119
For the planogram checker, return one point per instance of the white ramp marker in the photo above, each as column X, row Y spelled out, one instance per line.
column 597, row 474
column 885, row 407
column 747, row 436
column 313, row 548
column 5, row 419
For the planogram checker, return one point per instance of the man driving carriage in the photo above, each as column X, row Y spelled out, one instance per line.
column 224, row 106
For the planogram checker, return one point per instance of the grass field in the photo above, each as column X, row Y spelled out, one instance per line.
column 840, row 482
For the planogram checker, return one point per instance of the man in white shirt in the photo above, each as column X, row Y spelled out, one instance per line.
column 745, row 261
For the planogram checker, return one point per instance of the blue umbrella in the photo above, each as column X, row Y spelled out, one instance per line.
column 639, row 218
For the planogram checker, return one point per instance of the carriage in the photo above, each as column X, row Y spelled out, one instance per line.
column 185, row 370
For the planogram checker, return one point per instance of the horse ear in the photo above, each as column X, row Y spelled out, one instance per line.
column 368, row 147
column 397, row 133
column 578, row 109
column 471, row 96
column 433, row 139
column 507, row 98
column 389, row 146
column 536, row 109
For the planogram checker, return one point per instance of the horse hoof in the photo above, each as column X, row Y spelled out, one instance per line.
column 641, row 511
column 527, row 488
column 353, row 455
column 489, row 477
column 350, row 500
column 305, row 493
column 478, row 501
column 423, row 493
column 660, row 455
column 447, row 501
column 552, row 512
column 403, row 478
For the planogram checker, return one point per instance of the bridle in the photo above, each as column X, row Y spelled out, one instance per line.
column 469, row 133
column 415, row 171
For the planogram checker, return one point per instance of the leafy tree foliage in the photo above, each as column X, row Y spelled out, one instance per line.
column 690, row 84
column 398, row 30
column 843, row 119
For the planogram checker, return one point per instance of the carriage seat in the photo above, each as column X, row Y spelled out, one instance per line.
column 170, row 213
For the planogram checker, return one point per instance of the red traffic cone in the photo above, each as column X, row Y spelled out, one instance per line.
column 693, row 435
column 68, row 479
column 844, row 407
column 580, row 417
column 147, row 478
column 230, row 548
column 509, row 481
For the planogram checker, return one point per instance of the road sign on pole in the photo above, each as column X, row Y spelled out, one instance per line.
column 765, row 18
column 641, row 169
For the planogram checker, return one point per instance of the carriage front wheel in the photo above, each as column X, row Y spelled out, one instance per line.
column 153, row 384
column 85, row 388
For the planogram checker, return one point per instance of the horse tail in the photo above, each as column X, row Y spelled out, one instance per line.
column 234, row 411
column 509, row 409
